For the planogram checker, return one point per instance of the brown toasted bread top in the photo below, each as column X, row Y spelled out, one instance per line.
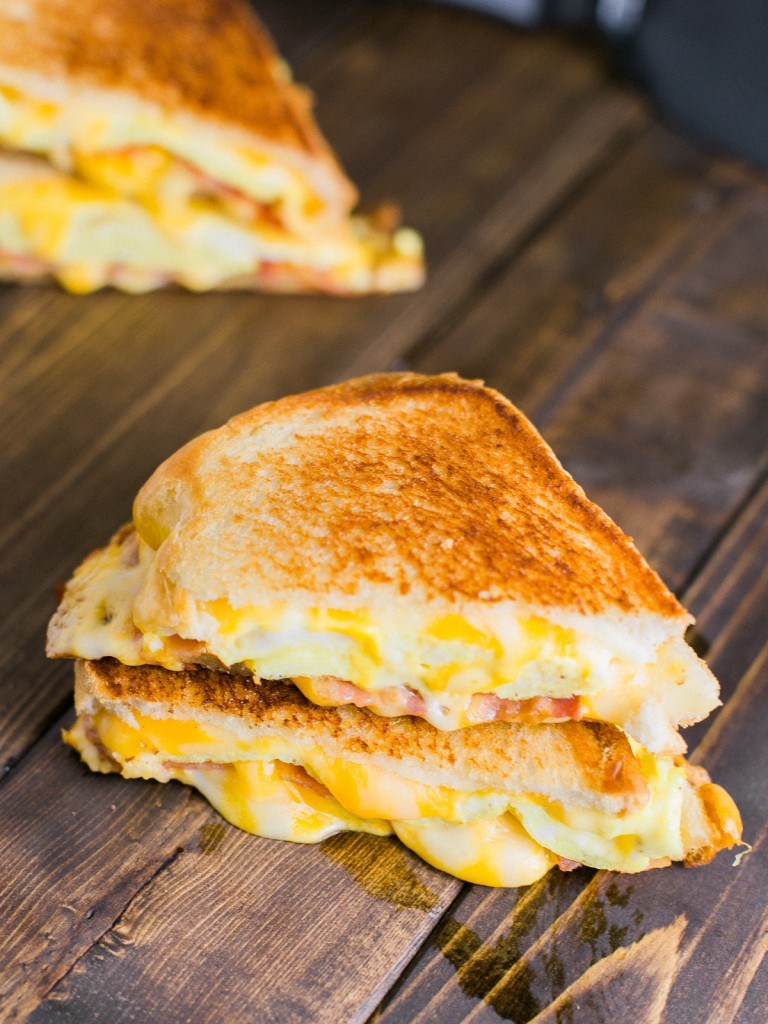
column 586, row 761
column 209, row 57
column 396, row 485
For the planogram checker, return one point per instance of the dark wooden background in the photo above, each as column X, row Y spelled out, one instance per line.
column 610, row 278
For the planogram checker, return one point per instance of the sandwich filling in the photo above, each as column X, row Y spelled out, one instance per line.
column 122, row 194
column 446, row 669
column 90, row 235
column 291, row 784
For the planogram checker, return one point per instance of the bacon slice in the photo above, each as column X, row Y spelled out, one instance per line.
column 243, row 208
column 568, row 865
column 299, row 776
column 483, row 707
column 487, row 707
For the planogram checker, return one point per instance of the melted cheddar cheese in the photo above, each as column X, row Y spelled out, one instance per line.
column 88, row 234
column 109, row 147
column 494, row 851
column 445, row 660
column 489, row 837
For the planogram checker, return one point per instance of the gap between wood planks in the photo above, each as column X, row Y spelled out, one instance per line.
column 741, row 509
column 98, row 938
column 491, row 247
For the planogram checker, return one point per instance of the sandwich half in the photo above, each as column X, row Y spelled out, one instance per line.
column 399, row 542
column 497, row 804
column 150, row 143
column 384, row 606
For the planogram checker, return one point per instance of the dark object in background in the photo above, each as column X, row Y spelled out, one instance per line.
column 704, row 63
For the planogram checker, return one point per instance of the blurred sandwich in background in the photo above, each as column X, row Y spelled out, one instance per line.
column 144, row 143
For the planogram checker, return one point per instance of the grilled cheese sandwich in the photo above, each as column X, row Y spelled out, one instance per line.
column 476, row 583
column 214, row 178
column 384, row 606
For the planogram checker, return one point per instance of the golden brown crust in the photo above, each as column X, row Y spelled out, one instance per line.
column 433, row 487
column 711, row 819
column 584, row 762
column 209, row 57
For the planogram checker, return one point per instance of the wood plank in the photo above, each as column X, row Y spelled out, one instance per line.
column 259, row 931
column 573, row 283
column 163, row 367
column 666, row 429
column 721, row 597
column 484, row 963
column 592, row 133
column 64, row 832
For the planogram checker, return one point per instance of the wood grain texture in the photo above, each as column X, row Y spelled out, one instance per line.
column 74, row 849
column 637, row 976
column 262, row 931
column 569, row 287
column 676, row 408
column 654, row 393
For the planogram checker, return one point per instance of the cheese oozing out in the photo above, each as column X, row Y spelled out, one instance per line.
column 445, row 660
column 274, row 788
column 90, row 237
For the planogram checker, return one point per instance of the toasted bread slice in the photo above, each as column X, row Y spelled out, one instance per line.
column 496, row 803
column 202, row 128
column 208, row 62
column 587, row 763
column 434, row 489
column 410, row 537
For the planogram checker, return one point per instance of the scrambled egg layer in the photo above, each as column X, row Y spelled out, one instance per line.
column 109, row 146
column 446, row 662
column 87, row 236
column 487, row 837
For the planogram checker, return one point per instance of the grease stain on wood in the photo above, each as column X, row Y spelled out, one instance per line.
column 639, row 976
column 210, row 837
column 497, row 973
column 481, row 967
column 502, row 976
column 595, row 925
column 380, row 866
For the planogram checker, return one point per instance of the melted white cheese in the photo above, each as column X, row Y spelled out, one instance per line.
column 445, row 661
column 487, row 837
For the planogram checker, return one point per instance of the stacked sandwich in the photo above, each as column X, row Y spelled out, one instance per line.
column 384, row 606
column 147, row 143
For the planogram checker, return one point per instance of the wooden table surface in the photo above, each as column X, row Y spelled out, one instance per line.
column 611, row 279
